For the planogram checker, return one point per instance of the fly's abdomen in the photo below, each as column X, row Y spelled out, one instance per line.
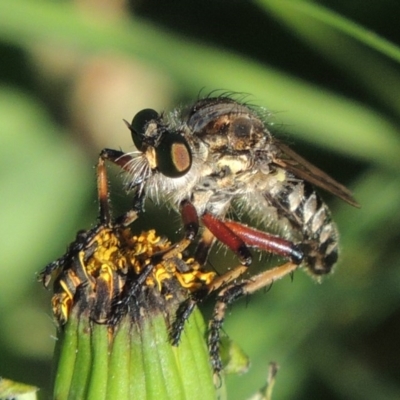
column 309, row 216
column 320, row 243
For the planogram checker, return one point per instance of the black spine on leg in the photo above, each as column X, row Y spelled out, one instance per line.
column 182, row 315
column 229, row 295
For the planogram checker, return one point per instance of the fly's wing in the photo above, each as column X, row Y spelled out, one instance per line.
column 286, row 158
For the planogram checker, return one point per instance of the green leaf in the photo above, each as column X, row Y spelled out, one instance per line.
column 295, row 12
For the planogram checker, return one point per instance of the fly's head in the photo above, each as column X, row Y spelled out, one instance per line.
column 163, row 152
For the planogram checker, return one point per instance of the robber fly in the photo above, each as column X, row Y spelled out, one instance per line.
column 218, row 158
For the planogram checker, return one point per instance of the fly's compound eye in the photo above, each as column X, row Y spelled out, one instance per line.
column 138, row 126
column 174, row 157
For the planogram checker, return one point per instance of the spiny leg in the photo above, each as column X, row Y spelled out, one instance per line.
column 122, row 160
column 102, row 194
column 233, row 292
column 119, row 307
column 266, row 242
column 183, row 313
column 237, row 237
column 204, row 246
column 133, row 283
column 227, row 236
column 191, row 228
column 186, row 308
column 190, row 219
column 190, row 225
column 117, row 157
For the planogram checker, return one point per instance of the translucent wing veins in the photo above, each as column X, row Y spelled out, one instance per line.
column 290, row 160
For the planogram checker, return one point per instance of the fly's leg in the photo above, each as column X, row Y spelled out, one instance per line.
column 186, row 308
column 189, row 217
column 266, row 242
column 122, row 160
column 231, row 293
column 191, row 227
column 102, row 194
column 238, row 238
column 188, row 212
column 214, row 229
column 117, row 157
column 121, row 307
column 183, row 313
column 227, row 236
column 204, row 246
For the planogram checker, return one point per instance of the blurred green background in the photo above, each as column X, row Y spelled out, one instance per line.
column 328, row 71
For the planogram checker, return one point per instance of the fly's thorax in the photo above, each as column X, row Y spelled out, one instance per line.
column 236, row 164
column 227, row 178
column 232, row 133
column 234, row 177
column 226, row 126
column 215, row 190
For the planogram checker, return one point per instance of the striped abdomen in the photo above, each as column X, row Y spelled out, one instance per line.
column 308, row 214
